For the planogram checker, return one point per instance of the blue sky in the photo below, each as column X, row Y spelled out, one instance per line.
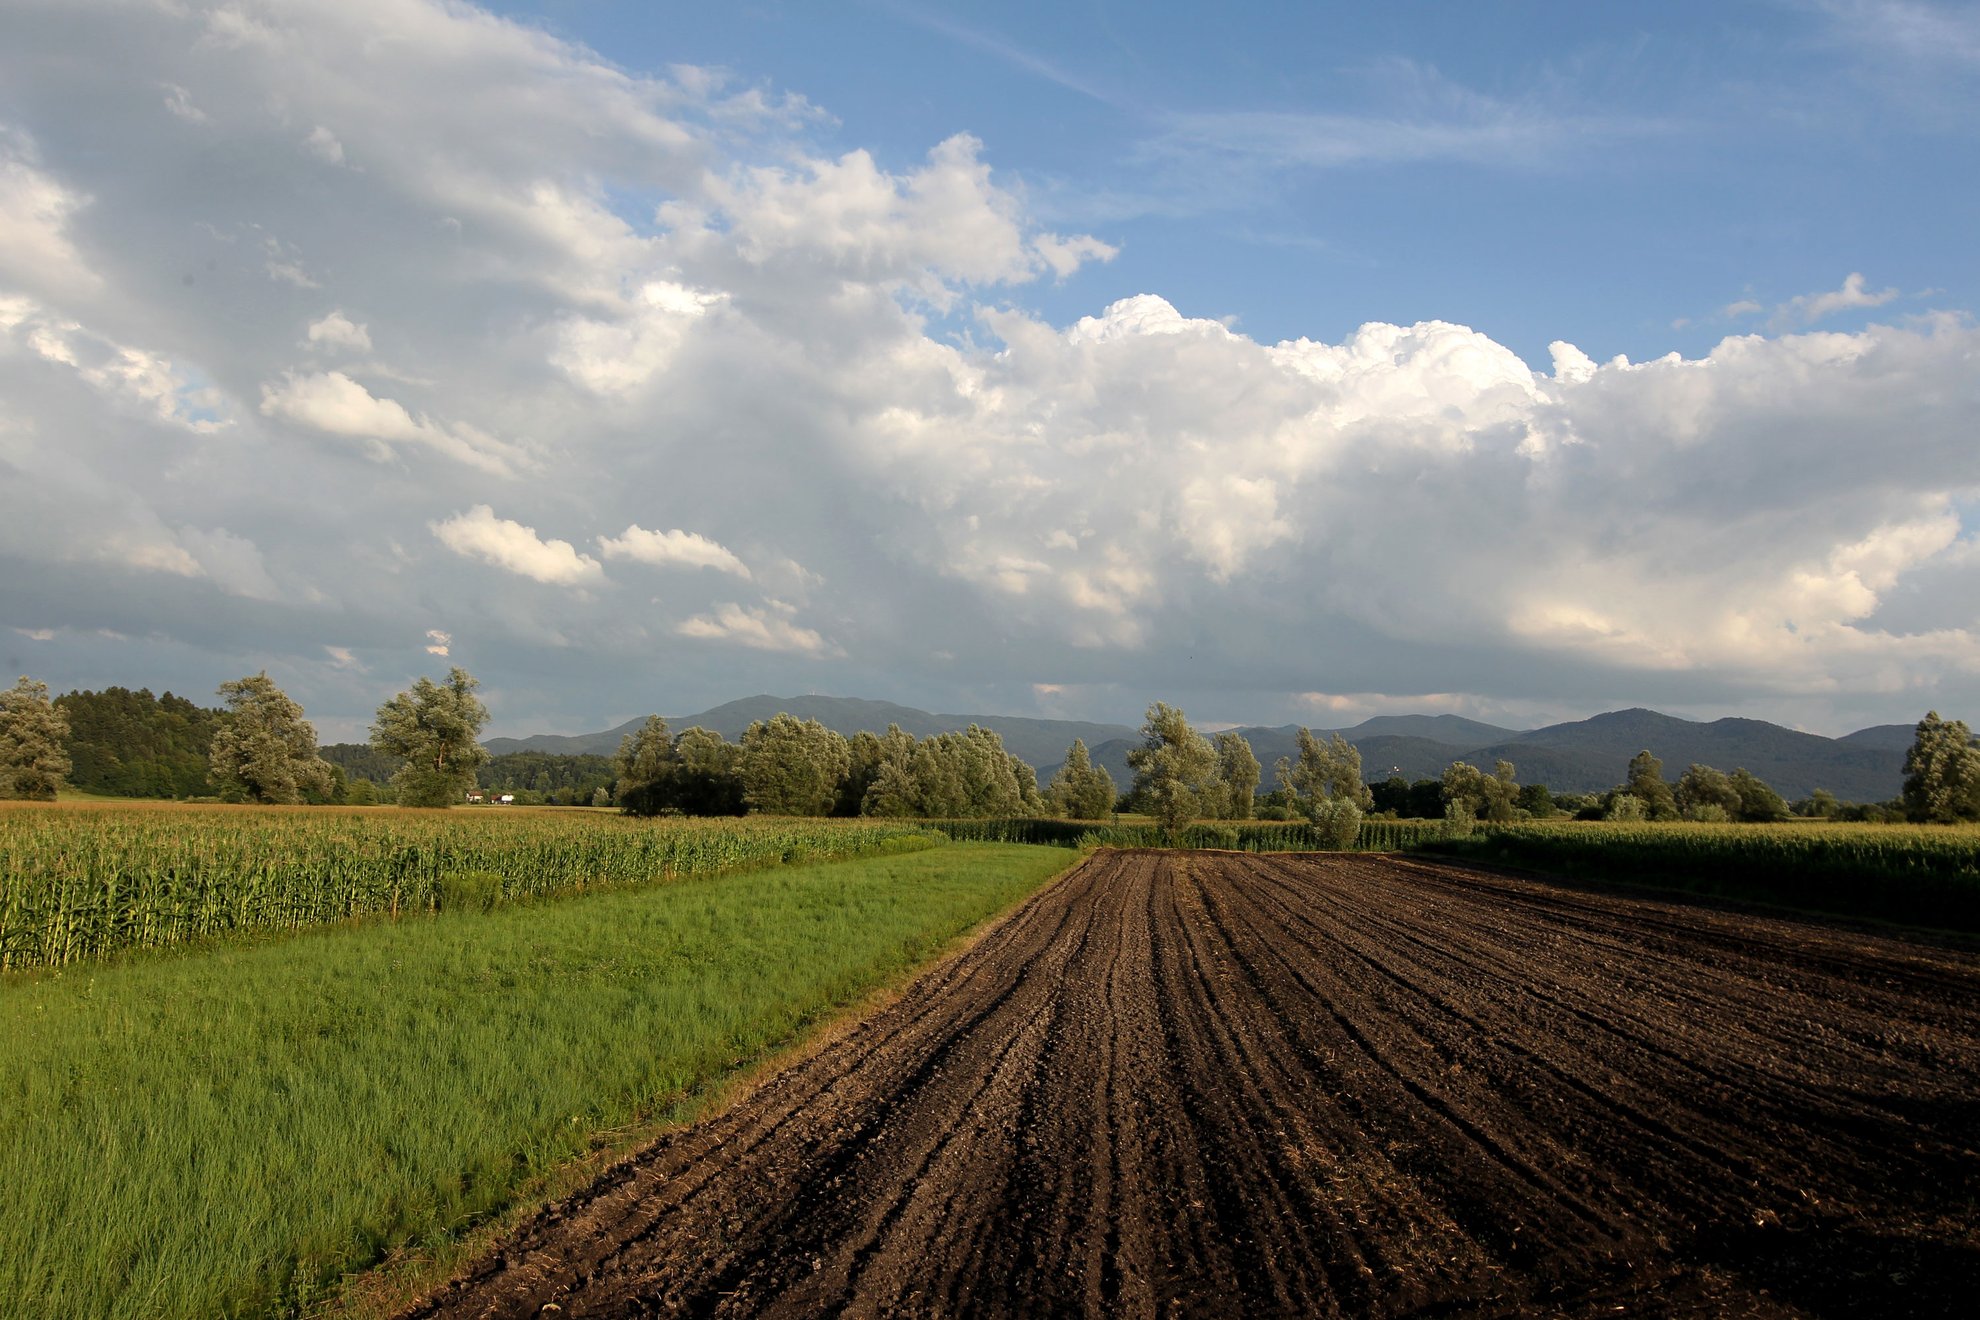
column 1613, row 175
column 1295, row 363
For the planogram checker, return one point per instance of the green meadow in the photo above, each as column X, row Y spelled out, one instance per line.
column 231, row 1129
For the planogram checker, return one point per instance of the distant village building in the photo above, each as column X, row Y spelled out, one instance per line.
column 474, row 795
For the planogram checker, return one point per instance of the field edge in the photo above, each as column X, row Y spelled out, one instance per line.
column 407, row 1276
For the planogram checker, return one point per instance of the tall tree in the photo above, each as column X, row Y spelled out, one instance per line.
column 1323, row 772
column 1172, row 767
column 1941, row 772
column 1702, row 791
column 1757, row 799
column 1645, row 782
column 433, row 729
column 1238, row 769
column 1081, row 789
column 646, row 765
column 707, row 774
column 792, row 767
column 949, row 774
column 1478, row 795
column 33, row 764
column 265, row 751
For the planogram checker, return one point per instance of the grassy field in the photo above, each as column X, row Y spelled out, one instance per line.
column 80, row 881
column 1925, row 876
column 228, row 1130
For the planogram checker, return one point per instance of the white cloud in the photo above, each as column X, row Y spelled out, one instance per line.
column 323, row 145
column 676, row 547
column 944, row 222
column 36, row 251
column 654, row 297
column 1809, row 308
column 764, row 629
column 479, row 534
column 179, row 101
column 338, row 331
column 331, row 402
column 616, row 356
column 133, row 380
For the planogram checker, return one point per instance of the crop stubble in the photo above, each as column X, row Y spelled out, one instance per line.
column 1219, row 1083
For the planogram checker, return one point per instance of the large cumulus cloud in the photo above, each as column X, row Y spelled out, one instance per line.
column 327, row 326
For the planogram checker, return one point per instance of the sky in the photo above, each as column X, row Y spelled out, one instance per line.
column 1292, row 364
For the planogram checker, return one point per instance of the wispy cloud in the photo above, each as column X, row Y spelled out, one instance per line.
column 1924, row 33
column 1014, row 55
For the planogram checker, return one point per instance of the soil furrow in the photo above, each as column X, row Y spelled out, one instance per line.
column 1219, row 1084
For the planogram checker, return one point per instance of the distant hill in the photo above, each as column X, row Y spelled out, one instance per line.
column 1039, row 743
column 1451, row 730
column 1580, row 756
column 1898, row 736
column 1794, row 763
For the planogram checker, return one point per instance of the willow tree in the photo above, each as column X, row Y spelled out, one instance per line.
column 33, row 734
column 792, row 767
column 1941, row 772
column 265, row 751
column 1173, row 767
column 1081, row 789
column 434, row 728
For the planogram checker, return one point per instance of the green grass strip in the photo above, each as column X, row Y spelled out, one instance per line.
column 229, row 1132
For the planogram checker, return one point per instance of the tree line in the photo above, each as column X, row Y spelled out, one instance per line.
column 425, row 751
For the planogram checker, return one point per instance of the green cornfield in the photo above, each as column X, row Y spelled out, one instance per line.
column 1917, row 875
column 79, row 882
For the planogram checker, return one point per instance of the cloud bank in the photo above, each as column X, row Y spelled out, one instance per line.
column 267, row 414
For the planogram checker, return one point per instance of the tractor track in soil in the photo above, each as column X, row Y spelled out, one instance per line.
column 1216, row 1083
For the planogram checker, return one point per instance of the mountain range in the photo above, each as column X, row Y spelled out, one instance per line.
column 1581, row 756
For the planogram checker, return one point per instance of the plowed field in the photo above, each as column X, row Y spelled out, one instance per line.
column 1222, row 1084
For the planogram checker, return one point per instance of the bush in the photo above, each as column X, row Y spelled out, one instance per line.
column 1458, row 819
column 1337, row 821
column 1709, row 813
column 1625, row 807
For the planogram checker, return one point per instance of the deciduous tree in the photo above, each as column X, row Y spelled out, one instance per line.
column 1479, row 795
column 1238, row 770
column 707, row 774
column 792, row 767
column 433, row 729
column 645, row 765
column 1701, row 786
column 1324, row 771
column 1645, row 782
column 1172, row 766
column 1941, row 772
column 33, row 763
column 265, row 751
column 1081, row 789
column 1757, row 800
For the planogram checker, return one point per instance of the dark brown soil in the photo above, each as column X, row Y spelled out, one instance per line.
column 1220, row 1084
